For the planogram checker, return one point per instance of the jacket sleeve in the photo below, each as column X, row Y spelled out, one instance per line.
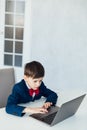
column 50, row 95
column 12, row 106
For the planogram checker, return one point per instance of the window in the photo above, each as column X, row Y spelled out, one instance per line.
column 14, row 32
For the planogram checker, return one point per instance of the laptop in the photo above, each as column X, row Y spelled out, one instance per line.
column 57, row 114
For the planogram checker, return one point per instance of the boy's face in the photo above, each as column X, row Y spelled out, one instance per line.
column 33, row 83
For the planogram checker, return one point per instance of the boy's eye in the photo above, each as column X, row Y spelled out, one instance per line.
column 35, row 81
column 40, row 81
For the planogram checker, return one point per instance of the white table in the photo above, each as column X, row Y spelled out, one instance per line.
column 76, row 122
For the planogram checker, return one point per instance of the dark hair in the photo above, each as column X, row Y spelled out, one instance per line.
column 34, row 69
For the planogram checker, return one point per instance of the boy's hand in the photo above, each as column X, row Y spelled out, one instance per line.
column 46, row 105
column 35, row 110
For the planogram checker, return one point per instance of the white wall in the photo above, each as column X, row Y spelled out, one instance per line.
column 55, row 35
column 59, row 41
column 2, row 8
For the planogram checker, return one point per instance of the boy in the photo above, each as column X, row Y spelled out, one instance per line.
column 30, row 88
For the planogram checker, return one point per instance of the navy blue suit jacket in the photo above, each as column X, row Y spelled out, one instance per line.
column 20, row 94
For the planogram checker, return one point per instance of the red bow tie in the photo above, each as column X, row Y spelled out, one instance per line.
column 31, row 92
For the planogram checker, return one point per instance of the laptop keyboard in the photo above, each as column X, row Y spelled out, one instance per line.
column 48, row 119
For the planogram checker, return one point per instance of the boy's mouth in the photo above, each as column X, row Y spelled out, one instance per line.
column 36, row 88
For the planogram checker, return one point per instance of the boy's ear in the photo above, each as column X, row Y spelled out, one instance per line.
column 25, row 77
